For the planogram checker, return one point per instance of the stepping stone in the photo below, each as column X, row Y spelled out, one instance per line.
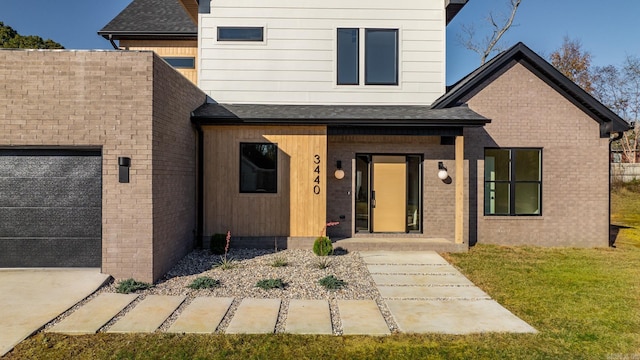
column 413, row 269
column 309, row 317
column 455, row 317
column 362, row 317
column 432, row 292
column 255, row 316
column 148, row 315
column 93, row 315
column 201, row 316
column 420, row 280
column 403, row 257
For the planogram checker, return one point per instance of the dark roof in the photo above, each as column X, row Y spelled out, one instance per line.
column 338, row 115
column 453, row 7
column 148, row 19
column 471, row 84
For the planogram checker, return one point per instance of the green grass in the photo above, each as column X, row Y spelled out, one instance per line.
column 585, row 304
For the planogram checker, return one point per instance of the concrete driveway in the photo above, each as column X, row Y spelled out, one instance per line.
column 30, row 298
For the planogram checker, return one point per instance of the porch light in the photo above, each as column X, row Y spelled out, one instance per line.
column 339, row 173
column 442, row 171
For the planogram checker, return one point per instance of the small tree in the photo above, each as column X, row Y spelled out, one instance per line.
column 573, row 62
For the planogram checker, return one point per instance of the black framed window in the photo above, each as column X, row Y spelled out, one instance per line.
column 258, row 168
column 240, row 33
column 348, row 56
column 381, row 57
column 512, row 181
column 181, row 62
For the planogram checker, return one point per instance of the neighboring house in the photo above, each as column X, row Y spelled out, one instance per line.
column 315, row 113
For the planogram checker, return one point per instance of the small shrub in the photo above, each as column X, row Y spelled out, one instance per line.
column 225, row 263
column 322, row 246
column 323, row 262
column 130, row 285
column 204, row 282
column 217, row 244
column 332, row 283
column 279, row 261
column 267, row 284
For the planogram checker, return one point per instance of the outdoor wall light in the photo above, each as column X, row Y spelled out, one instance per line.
column 339, row 173
column 442, row 171
column 124, row 163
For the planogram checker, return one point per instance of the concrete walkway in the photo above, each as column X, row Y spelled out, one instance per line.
column 30, row 298
column 423, row 292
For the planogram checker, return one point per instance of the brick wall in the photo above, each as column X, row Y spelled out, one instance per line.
column 174, row 166
column 98, row 99
column 526, row 112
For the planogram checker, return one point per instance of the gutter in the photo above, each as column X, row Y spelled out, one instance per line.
column 113, row 43
column 611, row 140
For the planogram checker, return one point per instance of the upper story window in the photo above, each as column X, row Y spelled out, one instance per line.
column 240, row 33
column 380, row 56
column 258, row 168
column 512, row 181
column 181, row 62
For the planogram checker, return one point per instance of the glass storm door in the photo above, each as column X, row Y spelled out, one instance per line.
column 389, row 193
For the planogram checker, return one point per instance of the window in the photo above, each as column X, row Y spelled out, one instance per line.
column 512, row 181
column 238, row 33
column 258, row 168
column 380, row 56
column 181, row 62
column 348, row 58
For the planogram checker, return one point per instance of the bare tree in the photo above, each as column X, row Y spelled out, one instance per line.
column 499, row 26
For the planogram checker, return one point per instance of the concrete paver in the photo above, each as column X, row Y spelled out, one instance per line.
column 255, row 316
column 455, row 317
column 148, row 315
column 432, row 292
column 30, row 298
column 402, row 257
column 412, row 269
column 201, row 316
column 420, row 280
column 309, row 317
column 362, row 317
column 93, row 315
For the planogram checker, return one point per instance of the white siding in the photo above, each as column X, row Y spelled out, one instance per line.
column 296, row 63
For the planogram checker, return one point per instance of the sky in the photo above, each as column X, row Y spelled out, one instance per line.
column 608, row 29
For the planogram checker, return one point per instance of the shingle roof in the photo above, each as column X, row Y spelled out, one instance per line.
column 151, row 18
column 471, row 84
column 341, row 115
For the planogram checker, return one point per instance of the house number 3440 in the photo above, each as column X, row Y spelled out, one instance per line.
column 316, row 174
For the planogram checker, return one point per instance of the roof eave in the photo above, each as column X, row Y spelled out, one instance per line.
column 453, row 7
column 147, row 35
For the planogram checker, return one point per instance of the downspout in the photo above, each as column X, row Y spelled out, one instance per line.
column 113, row 43
column 611, row 140
column 199, row 186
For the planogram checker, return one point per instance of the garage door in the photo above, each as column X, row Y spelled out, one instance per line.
column 50, row 208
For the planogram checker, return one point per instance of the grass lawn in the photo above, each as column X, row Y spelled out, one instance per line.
column 585, row 303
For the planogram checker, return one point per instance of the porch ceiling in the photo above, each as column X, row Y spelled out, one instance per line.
column 337, row 115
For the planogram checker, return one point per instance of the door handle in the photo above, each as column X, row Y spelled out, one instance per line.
column 373, row 198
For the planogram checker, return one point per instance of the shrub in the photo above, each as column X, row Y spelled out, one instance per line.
column 267, row 284
column 218, row 242
column 225, row 263
column 322, row 246
column 332, row 283
column 130, row 285
column 204, row 282
column 279, row 261
column 323, row 262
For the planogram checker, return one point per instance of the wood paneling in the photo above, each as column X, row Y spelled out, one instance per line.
column 295, row 210
column 168, row 48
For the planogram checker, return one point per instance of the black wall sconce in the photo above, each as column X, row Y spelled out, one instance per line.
column 442, row 171
column 339, row 173
column 124, row 163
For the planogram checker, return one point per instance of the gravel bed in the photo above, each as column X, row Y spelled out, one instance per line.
column 301, row 276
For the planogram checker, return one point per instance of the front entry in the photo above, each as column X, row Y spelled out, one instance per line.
column 388, row 193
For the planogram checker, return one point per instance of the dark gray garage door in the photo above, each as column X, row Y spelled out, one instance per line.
column 50, row 208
